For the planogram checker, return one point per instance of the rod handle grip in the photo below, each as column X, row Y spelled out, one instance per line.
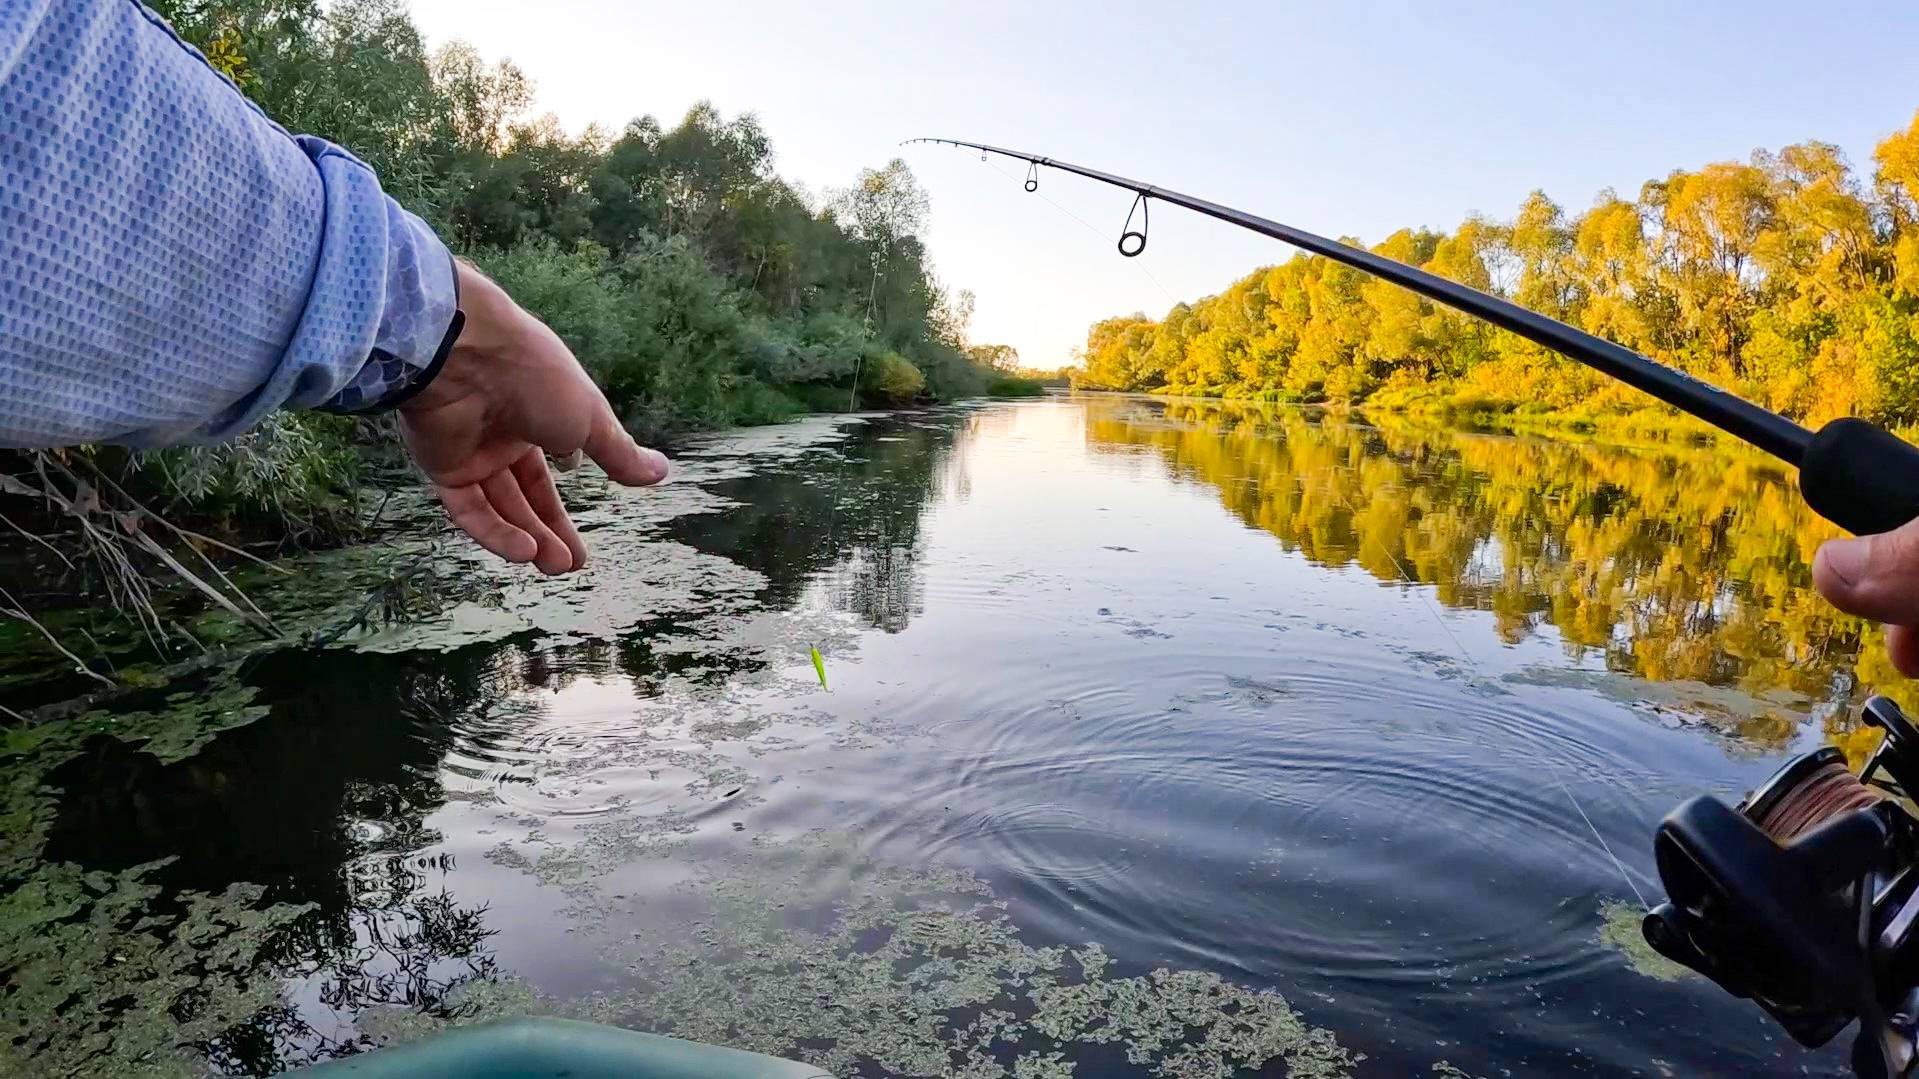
column 1860, row 477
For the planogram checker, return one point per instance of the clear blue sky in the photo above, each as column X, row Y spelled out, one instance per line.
column 1345, row 119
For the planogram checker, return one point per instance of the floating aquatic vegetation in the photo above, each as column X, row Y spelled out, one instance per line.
column 175, row 730
column 608, row 844
column 116, row 973
column 767, row 638
column 741, row 452
column 187, row 720
column 1746, row 724
column 1619, row 930
column 29, row 753
column 909, row 971
column 632, row 580
column 107, row 975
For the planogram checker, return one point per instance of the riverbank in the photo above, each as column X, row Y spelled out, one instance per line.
column 1642, row 423
column 1650, row 428
column 700, row 289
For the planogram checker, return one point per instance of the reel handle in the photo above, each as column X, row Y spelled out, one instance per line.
column 1860, row 476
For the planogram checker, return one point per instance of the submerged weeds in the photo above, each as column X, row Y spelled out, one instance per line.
column 913, row 972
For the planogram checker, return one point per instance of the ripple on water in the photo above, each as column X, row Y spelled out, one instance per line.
column 1043, row 841
column 630, row 767
column 1374, row 801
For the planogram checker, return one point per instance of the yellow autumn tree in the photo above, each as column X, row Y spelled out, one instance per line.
column 1788, row 278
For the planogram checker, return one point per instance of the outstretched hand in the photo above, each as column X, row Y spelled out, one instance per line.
column 1877, row 577
column 511, row 393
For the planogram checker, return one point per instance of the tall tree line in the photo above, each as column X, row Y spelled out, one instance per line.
column 699, row 286
column 1788, row 278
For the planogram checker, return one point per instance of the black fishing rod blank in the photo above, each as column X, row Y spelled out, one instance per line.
column 1852, row 473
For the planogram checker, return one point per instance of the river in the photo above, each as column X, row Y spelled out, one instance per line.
column 1155, row 735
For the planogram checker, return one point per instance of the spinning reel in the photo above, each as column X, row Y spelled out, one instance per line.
column 1805, row 898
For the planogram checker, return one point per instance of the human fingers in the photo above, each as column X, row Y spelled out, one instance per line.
column 623, row 459
column 1876, row 577
column 502, row 489
column 467, row 505
column 1902, row 643
column 536, row 483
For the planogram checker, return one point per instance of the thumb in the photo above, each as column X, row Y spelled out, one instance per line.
column 615, row 451
column 1875, row 577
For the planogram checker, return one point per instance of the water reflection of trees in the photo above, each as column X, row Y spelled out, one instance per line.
column 325, row 802
column 1674, row 563
column 847, row 517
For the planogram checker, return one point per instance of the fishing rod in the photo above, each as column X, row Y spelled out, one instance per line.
column 1805, row 896
column 1853, row 473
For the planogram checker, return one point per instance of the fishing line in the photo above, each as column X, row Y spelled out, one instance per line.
column 1826, row 791
column 1801, row 898
column 1032, row 179
column 839, row 474
column 1417, row 589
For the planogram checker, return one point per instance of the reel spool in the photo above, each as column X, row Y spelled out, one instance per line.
column 1805, row 897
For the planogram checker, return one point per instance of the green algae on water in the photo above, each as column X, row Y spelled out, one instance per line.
column 633, row 579
column 867, row 968
column 109, row 972
column 108, row 975
column 1619, row 930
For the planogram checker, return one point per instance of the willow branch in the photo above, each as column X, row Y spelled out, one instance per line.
column 16, row 611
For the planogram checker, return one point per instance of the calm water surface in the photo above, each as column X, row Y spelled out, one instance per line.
column 1149, row 676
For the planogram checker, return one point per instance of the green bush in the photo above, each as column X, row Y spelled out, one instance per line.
column 576, row 292
column 822, row 396
column 752, row 403
column 891, row 379
column 698, row 287
column 296, row 471
column 677, row 348
column 1014, row 386
column 949, row 374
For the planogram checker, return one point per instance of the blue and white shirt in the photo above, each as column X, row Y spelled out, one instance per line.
column 173, row 264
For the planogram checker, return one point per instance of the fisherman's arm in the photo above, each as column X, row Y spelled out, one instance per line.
column 174, row 266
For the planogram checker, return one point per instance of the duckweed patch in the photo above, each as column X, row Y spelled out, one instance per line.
column 635, row 579
column 908, row 971
column 109, row 975
column 1619, row 930
column 108, row 972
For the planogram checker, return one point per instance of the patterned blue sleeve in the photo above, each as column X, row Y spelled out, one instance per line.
column 174, row 265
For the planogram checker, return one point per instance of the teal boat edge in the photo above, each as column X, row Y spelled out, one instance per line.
column 535, row 1048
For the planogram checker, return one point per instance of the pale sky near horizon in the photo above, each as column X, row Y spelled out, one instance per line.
column 1343, row 119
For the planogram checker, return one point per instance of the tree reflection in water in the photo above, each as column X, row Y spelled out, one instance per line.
column 1675, row 563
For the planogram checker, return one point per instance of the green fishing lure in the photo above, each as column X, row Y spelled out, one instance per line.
column 819, row 665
